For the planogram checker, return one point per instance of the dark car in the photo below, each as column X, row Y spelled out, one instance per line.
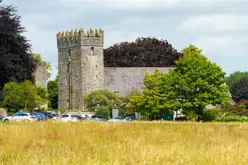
column 79, row 117
column 48, row 115
column 98, row 118
column 1, row 118
column 130, row 118
column 39, row 116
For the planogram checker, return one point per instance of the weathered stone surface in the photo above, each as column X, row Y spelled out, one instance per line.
column 41, row 77
column 81, row 69
column 123, row 79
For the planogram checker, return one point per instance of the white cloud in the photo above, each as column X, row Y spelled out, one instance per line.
column 223, row 46
column 219, row 23
column 127, row 3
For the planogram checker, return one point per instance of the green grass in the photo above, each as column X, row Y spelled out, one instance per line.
column 123, row 143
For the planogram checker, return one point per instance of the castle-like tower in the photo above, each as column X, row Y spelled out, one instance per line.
column 81, row 66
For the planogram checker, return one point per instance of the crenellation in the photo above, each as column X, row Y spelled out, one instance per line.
column 79, row 37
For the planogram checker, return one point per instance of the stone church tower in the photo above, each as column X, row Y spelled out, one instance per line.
column 80, row 66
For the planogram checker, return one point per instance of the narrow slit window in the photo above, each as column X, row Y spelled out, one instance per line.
column 92, row 51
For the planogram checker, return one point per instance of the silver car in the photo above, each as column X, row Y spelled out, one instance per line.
column 20, row 116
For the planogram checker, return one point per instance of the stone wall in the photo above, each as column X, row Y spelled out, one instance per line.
column 123, row 79
column 41, row 78
column 41, row 75
column 81, row 70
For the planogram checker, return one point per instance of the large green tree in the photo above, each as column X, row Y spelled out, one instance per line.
column 191, row 86
column 16, row 63
column 23, row 96
column 52, row 88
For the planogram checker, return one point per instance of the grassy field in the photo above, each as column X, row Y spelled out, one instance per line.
column 123, row 143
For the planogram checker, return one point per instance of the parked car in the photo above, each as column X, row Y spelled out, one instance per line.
column 86, row 117
column 55, row 116
column 79, row 117
column 1, row 118
column 48, row 115
column 39, row 116
column 68, row 117
column 20, row 116
column 130, row 118
column 117, row 119
column 98, row 118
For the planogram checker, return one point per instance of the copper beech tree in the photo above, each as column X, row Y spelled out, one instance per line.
column 144, row 52
column 16, row 63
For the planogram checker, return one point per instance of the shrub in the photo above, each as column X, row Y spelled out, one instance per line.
column 231, row 119
column 104, row 112
column 144, row 117
column 210, row 115
column 62, row 111
column 240, row 109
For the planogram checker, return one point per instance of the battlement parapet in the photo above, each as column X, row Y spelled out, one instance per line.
column 80, row 37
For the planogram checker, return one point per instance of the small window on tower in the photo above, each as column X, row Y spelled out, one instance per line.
column 92, row 51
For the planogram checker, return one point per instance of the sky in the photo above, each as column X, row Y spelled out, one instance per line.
column 218, row 27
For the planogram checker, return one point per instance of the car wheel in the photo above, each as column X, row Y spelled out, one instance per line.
column 25, row 121
column 6, row 121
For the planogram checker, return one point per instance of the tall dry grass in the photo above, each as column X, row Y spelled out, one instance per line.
column 123, row 143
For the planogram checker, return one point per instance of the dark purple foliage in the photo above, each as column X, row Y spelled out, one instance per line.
column 239, row 90
column 144, row 52
column 16, row 63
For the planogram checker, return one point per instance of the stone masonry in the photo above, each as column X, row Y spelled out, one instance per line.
column 41, row 77
column 81, row 67
column 123, row 79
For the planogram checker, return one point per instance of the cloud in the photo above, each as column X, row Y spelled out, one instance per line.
column 218, row 27
column 216, row 24
column 223, row 46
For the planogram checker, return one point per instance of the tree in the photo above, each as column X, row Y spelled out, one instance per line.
column 26, row 95
column 52, row 88
column 126, row 106
column 12, row 96
column 144, row 52
column 102, row 99
column 104, row 112
column 191, row 86
column 154, row 100
column 239, row 90
column 241, row 108
column 16, row 63
column 48, row 65
column 235, row 77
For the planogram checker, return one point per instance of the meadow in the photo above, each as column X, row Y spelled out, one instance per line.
column 123, row 143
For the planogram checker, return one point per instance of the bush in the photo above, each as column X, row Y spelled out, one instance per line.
column 62, row 111
column 210, row 115
column 231, row 119
column 104, row 112
column 240, row 109
column 144, row 117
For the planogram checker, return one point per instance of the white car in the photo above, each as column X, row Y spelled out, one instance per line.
column 20, row 116
column 68, row 117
